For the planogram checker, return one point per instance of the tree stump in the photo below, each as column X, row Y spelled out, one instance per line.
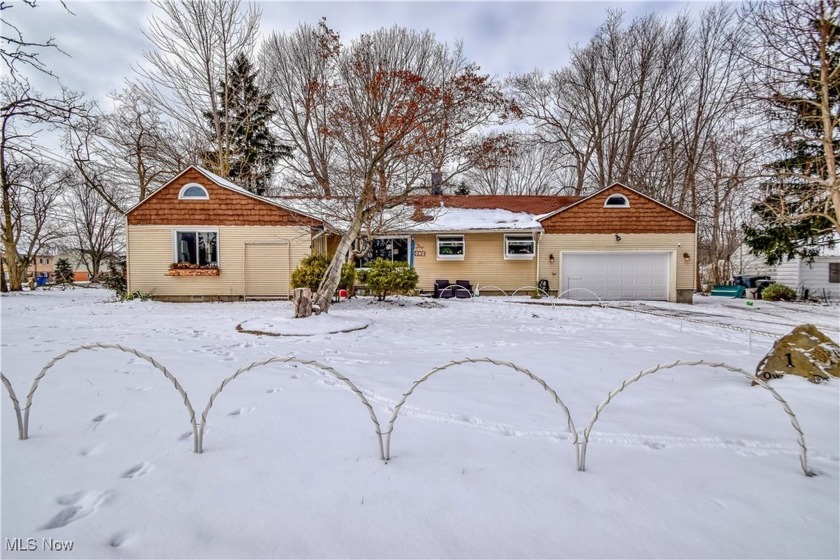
column 303, row 302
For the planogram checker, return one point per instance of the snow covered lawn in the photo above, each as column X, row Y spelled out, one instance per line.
column 688, row 462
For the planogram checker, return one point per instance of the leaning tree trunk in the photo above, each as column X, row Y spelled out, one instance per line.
column 332, row 277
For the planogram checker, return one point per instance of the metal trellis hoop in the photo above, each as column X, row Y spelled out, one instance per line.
column 800, row 436
column 546, row 294
column 510, row 365
column 498, row 289
column 15, row 403
column 142, row 356
column 328, row 369
column 561, row 294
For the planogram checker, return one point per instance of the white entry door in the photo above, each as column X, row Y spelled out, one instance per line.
column 616, row 275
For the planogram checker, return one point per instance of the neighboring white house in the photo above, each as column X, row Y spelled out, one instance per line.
column 820, row 278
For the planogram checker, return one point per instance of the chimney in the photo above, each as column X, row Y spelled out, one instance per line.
column 437, row 183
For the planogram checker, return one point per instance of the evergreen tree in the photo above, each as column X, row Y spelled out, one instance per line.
column 245, row 111
column 63, row 272
column 798, row 214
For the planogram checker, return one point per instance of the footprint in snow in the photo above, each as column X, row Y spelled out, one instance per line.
column 102, row 417
column 92, row 450
column 243, row 410
column 119, row 539
column 138, row 470
column 79, row 506
column 274, row 390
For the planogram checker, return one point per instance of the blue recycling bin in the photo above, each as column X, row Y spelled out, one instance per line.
column 41, row 281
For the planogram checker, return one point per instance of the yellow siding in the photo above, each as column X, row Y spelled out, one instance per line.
column 682, row 271
column 484, row 263
column 150, row 250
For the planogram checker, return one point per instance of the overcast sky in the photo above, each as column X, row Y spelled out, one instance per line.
column 105, row 39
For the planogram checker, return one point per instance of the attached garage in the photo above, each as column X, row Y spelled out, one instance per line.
column 614, row 275
column 622, row 245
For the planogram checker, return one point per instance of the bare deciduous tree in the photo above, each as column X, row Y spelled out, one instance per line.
column 372, row 120
column 92, row 228
column 23, row 113
column 196, row 43
column 15, row 49
column 126, row 154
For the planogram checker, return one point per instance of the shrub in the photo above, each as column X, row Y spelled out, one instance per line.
column 387, row 277
column 63, row 272
column 348, row 275
column 310, row 271
column 312, row 268
column 114, row 279
column 778, row 292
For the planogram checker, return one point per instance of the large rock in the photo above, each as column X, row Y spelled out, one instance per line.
column 806, row 352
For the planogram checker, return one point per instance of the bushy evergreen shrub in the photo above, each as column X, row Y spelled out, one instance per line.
column 385, row 277
column 63, row 272
column 114, row 279
column 312, row 268
column 778, row 292
column 310, row 271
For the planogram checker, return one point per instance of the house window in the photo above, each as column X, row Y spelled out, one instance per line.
column 450, row 247
column 193, row 191
column 519, row 246
column 43, row 260
column 197, row 247
column 388, row 248
column 834, row 273
column 617, row 201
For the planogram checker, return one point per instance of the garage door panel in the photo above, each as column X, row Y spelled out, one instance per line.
column 616, row 275
column 267, row 270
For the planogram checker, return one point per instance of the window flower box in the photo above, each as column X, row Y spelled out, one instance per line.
column 193, row 272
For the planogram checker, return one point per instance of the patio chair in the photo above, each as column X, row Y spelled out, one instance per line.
column 442, row 289
column 464, row 290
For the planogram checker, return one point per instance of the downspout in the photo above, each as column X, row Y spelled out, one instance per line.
column 128, row 289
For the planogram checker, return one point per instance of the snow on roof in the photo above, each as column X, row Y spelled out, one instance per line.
column 223, row 182
column 474, row 219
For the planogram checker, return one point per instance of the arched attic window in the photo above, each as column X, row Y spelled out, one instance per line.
column 617, row 201
column 193, row 191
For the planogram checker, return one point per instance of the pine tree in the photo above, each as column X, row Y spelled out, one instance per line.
column 245, row 111
column 63, row 272
column 798, row 214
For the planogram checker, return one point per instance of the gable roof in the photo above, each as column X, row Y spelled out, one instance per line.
column 225, row 184
column 613, row 186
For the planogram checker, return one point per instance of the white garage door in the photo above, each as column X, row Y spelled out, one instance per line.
column 616, row 276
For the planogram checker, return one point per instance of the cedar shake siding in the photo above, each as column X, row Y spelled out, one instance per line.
column 223, row 208
column 643, row 216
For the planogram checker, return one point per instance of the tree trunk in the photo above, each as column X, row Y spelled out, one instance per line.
column 332, row 276
column 303, row 302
